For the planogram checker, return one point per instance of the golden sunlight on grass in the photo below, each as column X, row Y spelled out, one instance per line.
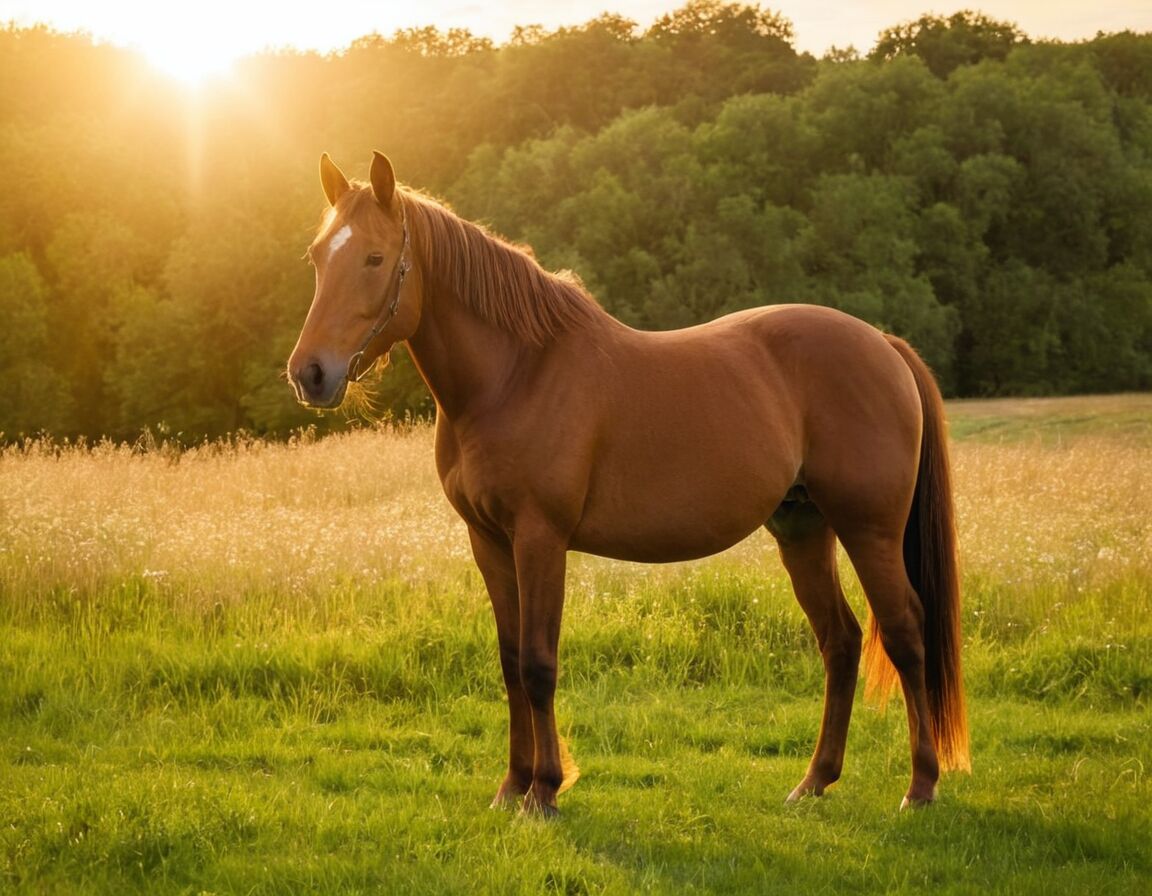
column 218, row 521
column 1042, row 521
column 1080, row 511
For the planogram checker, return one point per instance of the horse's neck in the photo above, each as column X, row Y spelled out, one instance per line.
column 465, row 360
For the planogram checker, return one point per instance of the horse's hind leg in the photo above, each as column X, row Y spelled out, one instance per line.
column 899, row 614
column 808, row 549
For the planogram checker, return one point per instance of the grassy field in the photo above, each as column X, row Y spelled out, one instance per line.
column 270, row 669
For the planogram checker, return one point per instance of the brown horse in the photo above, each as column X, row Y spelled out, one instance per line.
column 558, row 428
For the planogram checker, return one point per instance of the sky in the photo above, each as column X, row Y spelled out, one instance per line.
column 192, row 39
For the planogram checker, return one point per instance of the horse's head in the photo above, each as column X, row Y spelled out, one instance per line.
column 365, row 298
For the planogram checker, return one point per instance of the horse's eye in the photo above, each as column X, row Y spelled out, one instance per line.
column 374, row 260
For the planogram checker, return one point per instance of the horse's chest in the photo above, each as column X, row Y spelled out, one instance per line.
column 479, row 500
column 490, row 483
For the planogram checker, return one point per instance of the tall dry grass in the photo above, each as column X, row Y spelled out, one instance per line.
column 1052, row 531
column 1056, row 536
column 216, row 523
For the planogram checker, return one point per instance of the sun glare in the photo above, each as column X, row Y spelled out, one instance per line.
column 191, row 44
column 191, row 62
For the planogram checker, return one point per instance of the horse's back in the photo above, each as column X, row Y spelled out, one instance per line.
column 804, row 366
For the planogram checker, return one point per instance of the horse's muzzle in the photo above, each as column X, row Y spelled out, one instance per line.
column 316, row 386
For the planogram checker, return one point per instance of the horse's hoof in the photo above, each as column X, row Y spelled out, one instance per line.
column 916, row 802
column 807, row 787
column 509, row 795
column 534, row 807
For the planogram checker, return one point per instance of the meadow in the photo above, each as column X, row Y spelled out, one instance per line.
column 270, row 668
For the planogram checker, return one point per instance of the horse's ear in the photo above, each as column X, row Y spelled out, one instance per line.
column 332, row 178
column 383, row 179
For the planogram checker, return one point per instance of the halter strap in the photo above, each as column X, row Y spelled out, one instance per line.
column 399, row 272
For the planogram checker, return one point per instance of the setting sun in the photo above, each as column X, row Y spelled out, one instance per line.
column 189, row 61
column 190, row 44
column 190, row 47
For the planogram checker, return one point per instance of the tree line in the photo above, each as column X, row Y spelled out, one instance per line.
column 986, row 196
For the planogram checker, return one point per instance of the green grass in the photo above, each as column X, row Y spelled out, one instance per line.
column 1052, row 418
column 197, row 698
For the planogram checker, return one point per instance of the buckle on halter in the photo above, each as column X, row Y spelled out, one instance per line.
column 354, row 374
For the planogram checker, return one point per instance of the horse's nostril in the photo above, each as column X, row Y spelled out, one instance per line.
column 309, row 381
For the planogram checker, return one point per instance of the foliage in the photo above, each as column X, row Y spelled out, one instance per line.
column 945, row 44
column 985, row 196
column 34, row 397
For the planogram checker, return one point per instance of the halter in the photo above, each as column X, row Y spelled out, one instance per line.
column 399, row 272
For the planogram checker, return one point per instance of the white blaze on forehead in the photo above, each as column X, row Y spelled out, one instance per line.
column 339, row 238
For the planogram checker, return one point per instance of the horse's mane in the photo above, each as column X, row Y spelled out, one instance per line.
column 501, row 282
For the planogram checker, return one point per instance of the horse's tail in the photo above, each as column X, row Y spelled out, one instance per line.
column 568, row 766
column 930, row 560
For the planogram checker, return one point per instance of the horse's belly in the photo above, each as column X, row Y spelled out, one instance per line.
column 678, row 523
column 656, row 546
column 678, row 480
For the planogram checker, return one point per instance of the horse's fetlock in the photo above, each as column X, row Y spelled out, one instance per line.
column 825, row 773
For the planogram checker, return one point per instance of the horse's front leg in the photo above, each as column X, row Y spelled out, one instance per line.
column 540, row 558
column 494, row 559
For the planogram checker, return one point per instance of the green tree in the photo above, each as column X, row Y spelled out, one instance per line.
column 1010, row 332
column 760, row 145
column 431, row 41
column 92, row 257
column 1105, row 324
column 1124, row 61
column 714, row 49
column 154, row 369
column 860, row 253
column 945, row 44
column 35, row 395
column 859, row 112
